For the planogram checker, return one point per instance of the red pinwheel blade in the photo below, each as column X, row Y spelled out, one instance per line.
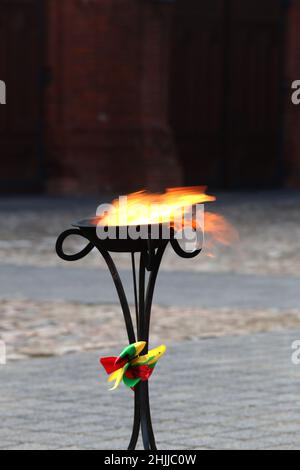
column 109, row 364
column 142, row 372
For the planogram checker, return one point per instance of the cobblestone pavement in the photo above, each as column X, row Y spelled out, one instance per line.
column 48, row 311
column 237, row 393
column 43, row 329
column 184, row 289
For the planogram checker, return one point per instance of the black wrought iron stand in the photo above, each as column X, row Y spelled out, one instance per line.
column 151, row 253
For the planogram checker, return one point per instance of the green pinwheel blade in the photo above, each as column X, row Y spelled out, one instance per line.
column 129, row 351
column 130, row 382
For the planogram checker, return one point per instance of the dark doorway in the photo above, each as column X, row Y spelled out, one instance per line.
column 21, row 56
column 225, row 103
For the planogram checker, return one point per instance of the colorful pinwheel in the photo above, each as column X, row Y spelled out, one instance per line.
column 130, row 366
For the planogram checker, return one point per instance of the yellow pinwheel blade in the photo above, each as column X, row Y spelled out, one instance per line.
column 117, row 376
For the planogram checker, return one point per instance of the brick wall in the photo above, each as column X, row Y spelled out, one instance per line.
column 106, row 105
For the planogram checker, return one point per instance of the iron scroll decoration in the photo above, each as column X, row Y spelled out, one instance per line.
column 151, row 253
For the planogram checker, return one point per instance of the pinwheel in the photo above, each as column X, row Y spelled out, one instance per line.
column 130, row 367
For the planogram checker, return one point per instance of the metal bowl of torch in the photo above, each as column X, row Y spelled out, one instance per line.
column 130, row 239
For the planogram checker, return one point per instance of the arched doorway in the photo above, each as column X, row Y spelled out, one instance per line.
column 226, row 91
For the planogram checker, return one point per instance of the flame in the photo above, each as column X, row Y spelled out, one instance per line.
column 142, row 208
column 218, row 231
column 145, row 208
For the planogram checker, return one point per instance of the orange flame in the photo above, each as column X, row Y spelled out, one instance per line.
column 218, row 231
column 144, row 208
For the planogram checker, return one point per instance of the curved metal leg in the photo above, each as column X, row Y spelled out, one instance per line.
column 151, row 287
column 136, row 420
column 143, row 335
column 121, row 293
column 146, row 424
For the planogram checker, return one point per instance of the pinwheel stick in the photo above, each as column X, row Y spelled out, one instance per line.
column 151, row 253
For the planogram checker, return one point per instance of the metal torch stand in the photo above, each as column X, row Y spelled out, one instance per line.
column 150, row 260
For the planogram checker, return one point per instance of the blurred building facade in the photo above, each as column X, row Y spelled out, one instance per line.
column 119, row 95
